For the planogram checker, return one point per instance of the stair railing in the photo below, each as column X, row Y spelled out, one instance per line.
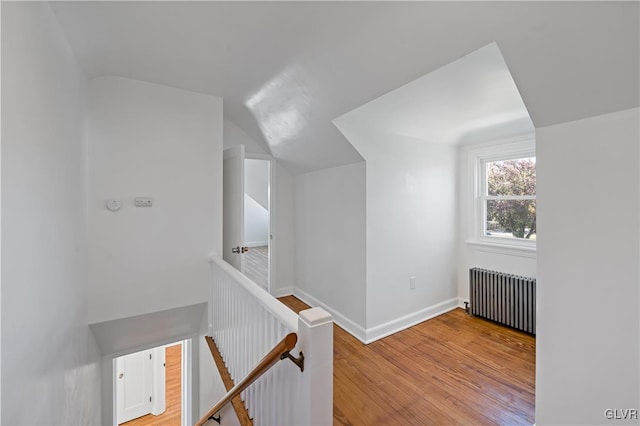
column 246, row 322
column 280, row 352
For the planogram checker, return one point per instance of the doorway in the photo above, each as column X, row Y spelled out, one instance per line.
column 150, row 386
column 248, row 214
column 257, row 233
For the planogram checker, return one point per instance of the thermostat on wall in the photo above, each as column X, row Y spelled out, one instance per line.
column 113, row 205
column 143, row 201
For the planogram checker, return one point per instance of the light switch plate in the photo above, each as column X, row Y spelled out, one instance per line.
column 143, row 201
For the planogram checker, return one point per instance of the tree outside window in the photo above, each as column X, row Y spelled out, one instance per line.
column 510, row 198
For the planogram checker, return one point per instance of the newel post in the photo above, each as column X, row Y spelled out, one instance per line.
column 315, row 333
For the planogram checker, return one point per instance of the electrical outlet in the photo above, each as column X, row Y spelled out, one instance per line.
column 412, row 283
column 143, row 201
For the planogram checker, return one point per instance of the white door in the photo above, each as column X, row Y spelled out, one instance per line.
column 233, row 206
column 159, row 381
column 134, row 385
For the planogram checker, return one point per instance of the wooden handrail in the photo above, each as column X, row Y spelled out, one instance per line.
column 280, row 351
column 238, row 405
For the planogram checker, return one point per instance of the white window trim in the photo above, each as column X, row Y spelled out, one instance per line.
column 476, row 158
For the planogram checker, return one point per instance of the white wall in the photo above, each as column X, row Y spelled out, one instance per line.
column 256, row 202
column 160, row 142
column 411, row 231
column 283, row 237
column 234, row 135
column 588, row 325
column 51, row 365
column 330, row 243
column 517, row 262
column 256, row 180
column 256, row 223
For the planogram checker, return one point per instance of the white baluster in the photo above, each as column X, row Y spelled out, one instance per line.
column 270, row 397
column 246, row 323
column 234, row 335
column 250, row 404
column 244, row 346
column 259, row 402
column 280, row 395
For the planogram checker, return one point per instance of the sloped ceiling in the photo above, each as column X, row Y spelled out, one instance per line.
column 461, row 102
column 287, row 69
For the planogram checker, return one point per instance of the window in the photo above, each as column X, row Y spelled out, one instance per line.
column 502, row 211
column 509, row 198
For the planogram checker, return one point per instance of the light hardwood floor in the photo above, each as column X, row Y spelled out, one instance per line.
column 173, row 388
column 451, row 370
column 256, row 265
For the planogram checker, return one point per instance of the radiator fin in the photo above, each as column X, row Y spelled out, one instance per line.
column 503, row 298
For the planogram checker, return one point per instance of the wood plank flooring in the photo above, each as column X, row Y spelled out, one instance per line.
column 172, row 415
column 451, row 370
column 256, row 265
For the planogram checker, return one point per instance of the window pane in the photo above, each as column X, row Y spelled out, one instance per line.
column 512, row 177
column 511, row 218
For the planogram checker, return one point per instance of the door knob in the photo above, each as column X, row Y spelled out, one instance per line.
column 121, row 375
column 245, row 249
column 235, row 250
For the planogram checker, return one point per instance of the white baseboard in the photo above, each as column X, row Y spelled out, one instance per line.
column 349, row 326
column 257, row 244
column 370, row 335
column 399, row 324
column 281, row 292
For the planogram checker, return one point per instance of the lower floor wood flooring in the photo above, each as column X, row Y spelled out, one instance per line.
column 451, row 370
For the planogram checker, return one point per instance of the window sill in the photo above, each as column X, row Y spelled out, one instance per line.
column 505, row 249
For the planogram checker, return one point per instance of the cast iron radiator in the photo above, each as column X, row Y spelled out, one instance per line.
column 504, row 298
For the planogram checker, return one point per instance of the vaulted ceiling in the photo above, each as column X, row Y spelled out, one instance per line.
column 287, row 69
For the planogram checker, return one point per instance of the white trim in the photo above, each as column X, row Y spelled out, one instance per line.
column 348, row 325
column 523, row 146
column 273, row 216
column 370, row 335
column 187, row 373
column 402, row 323
column 504, row 249
column 257, row 156
column 508, row 197
column 109, row 416
column 233, row 152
